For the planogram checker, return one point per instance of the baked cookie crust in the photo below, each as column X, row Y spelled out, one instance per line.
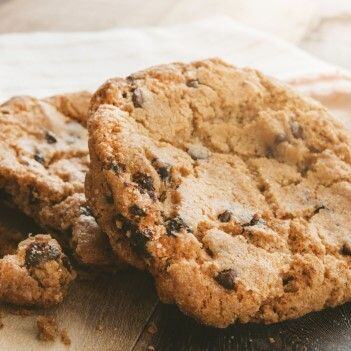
column 229, row 187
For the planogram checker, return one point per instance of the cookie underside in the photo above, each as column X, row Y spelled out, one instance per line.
column 233, row 190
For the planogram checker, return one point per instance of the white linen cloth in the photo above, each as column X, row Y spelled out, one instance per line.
column 42, row 64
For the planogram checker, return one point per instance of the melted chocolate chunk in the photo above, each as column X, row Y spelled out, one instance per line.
column 50, row 138
column 318, row 208
column 225, row 216
column 175, row 225
column 254, row 220
column 137, row 98
column 145, row 183
column 135, row 210
column 139, row 239
column 163, row 196
column 227, row 278
column 39, row 253
column 163, row 169
column 346, row 249
column 296, row 130
column 85, row 210
column 39, row 158
column 192, row 83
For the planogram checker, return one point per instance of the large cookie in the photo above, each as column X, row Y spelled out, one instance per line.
column 43, row 160
column 233, row 190
column 38, row 273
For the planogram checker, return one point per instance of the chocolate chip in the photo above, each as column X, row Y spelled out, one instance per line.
column 296, row 130
column 227, row 278
column 279, row 138
column 318, row 208
column 346, row 249
column 117, row 167
column 135, row 210
column 50, row 138
column 37, row 253
column 86, row 211
column 162, row 168
column 287, row 279
column 163, row 196
column 124, row 95
column 198, row 152
column 130, row 79
column 192, row 83
column 137, row 98
column 225, row 216
column 39, row 158
column 145, row 183
column 139, row 239
column 175, row 225
column 254, row 220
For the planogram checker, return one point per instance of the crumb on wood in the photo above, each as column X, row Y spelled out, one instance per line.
column 271, row 340
column 152, row 328
column 65, row 339
column 47, row 328
column 150, row 348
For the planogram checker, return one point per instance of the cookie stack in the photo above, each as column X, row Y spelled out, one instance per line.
column 231, row 189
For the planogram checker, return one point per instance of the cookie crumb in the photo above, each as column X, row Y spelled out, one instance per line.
column 152, row 328
column 47, row 328
column 150, row 348
column 271, row 340
column 65, row 339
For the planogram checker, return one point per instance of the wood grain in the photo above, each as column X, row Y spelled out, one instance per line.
column 326, row 330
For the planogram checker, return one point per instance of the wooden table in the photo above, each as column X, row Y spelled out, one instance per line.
column 114, row 312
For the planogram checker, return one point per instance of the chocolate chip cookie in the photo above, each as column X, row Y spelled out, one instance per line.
column 229, row 187
column 37, row 274
column 43, row 160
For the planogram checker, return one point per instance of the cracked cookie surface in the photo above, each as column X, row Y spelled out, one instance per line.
column 43, row 160
column 38, row 273
column 230, row 188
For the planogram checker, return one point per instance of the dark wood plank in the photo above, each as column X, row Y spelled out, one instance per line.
column 326, row 330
